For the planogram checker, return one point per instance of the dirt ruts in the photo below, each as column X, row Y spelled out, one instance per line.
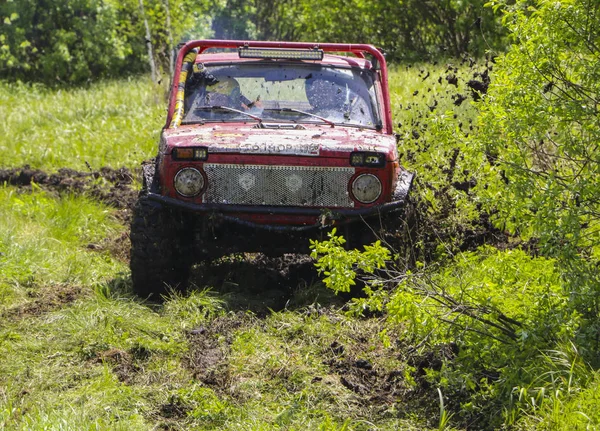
column 113, row 187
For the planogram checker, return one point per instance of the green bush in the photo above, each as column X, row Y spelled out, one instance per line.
column 537, row 158
column 73, row 42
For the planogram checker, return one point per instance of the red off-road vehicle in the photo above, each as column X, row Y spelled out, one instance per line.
column 267, row 145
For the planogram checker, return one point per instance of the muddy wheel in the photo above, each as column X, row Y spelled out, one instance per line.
column 160, row 257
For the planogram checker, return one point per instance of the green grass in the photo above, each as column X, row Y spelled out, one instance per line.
column 78, row 351
column 73, row 361
column 113, row 123
column 46, row 241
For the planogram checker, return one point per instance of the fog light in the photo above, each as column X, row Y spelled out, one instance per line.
column 366, row 188
column 189, row 182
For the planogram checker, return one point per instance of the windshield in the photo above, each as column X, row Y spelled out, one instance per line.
column 281, row 92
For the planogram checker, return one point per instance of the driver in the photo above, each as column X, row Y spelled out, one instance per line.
column 226, row 92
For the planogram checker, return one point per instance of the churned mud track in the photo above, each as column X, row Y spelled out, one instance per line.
column 43, row 300
column 369, row 386
column 255, row 282
column 113, row 187
column 263, row 282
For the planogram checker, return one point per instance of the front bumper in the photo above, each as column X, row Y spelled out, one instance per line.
column 326, row 217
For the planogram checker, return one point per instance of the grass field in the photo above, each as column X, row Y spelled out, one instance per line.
column 247, row 347
column 79, row 351
column 108, row 124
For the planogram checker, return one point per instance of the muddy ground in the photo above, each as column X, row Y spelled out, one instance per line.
column 247, row 283
column 256, row 275
column 110, row 186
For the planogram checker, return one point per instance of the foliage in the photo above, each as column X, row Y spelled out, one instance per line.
column 497, row 322
column 543, row 127
column 235, row 19
column 502, row 296
column 70, row 41
column 538, row 157
column 410, row 28
column 76, row 41
column 340, row 265
column 499, row 310
column 403, row 29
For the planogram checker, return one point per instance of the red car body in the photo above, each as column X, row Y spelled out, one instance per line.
column 264, row 149
column 313, row 145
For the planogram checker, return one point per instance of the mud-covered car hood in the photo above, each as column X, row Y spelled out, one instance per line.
column 310, row 141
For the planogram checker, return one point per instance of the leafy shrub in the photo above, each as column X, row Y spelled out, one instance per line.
column 537, row 159
column 500, row 309
column 70, row 41
column 499, row 320
column 340, row 265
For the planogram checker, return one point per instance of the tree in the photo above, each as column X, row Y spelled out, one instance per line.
column 67, row 41
column 539, row 144
column 72, row 41
column 408, row 28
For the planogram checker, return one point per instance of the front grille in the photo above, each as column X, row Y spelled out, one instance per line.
column 278, row 185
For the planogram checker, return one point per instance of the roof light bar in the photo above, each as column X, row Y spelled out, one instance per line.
column 276, row 53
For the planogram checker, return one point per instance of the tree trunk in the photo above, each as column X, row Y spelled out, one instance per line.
column 170, row 36
column 148, row 42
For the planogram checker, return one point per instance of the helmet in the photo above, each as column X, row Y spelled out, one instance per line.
column 224, row 91
column 322, row 94
column 224, row 86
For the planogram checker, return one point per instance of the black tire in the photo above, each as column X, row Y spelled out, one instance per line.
column 158, row 258
column 160, row 255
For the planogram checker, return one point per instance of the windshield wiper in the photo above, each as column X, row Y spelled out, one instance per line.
column 227, row 109
column 298, row 111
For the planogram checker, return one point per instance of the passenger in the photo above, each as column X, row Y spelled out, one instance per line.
column 337, row 102
column 324, row 96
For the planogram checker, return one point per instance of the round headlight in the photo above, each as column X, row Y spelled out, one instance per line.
column 366, row 188
column 189, row 182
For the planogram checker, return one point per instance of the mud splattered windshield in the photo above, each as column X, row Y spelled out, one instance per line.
column 282, row 92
